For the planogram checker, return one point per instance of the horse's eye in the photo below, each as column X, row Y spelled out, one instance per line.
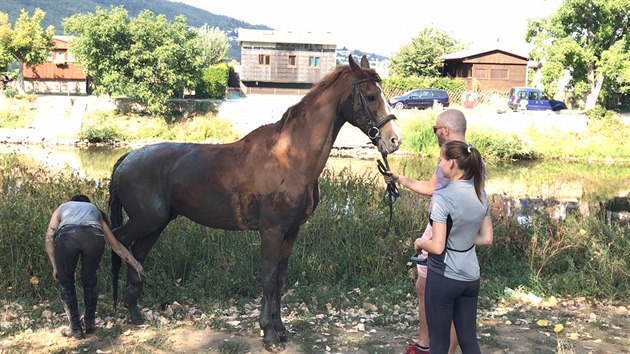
column 371, row 98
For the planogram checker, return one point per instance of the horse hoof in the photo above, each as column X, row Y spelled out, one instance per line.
column 135, row 316
column 274, row 347
column 284, row 337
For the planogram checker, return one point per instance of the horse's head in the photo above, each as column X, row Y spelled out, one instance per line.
column 370, row 111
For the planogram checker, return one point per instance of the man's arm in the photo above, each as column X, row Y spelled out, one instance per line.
column 421, row 187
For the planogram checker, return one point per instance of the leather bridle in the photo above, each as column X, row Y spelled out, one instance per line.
column 374, row 131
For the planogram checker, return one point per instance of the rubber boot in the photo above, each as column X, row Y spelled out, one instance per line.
column 90, row 297
column 69, row 297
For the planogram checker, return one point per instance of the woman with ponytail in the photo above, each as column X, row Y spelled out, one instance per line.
column 460, row 218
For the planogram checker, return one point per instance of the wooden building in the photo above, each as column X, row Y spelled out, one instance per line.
column 60, row 74
column 280, row 62
column 487, row 70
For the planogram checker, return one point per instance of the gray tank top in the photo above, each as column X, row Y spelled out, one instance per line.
column 79, row 213
column 458, row 206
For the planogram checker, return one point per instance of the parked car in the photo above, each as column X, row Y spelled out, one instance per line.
column 420, row 98
column 532, row 99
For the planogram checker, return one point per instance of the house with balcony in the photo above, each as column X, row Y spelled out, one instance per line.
column 60, row 74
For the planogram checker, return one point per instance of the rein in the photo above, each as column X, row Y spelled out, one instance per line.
column 374, row 133
column 391, row 192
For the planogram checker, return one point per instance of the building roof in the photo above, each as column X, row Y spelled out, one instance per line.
column 61, row 42
column 266, row 36
column 468, row 53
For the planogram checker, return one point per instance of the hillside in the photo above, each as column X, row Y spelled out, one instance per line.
column 58, row 10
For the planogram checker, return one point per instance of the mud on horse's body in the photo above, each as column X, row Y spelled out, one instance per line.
column 267, row 181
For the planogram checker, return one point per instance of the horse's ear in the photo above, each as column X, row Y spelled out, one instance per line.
column 353, row 65
column 365, row 64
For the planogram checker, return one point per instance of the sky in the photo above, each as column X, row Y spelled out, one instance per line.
column 381, row 27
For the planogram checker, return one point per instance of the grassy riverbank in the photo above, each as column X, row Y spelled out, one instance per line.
column 596, row 135
column 339, row 249
column 343, row 277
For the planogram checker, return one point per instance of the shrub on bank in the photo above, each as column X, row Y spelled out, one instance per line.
column 604, row 138
column 339, row 250
column 17, row 114
column 106, row 126
column 418, row 137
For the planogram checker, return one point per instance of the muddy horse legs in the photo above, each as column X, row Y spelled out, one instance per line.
column 276, row 248
column 140, row 249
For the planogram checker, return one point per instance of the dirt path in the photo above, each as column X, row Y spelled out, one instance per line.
column 516, row 324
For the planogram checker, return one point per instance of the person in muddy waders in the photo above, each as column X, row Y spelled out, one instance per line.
column 77, row 231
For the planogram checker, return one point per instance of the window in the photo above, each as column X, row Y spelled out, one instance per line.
column 499, row 74
column 313, row 61
column 264, row 59
column 479, row 73
column 292, row 60
column 533, row 95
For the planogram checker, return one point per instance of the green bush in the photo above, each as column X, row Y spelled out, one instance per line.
column 419, row 138
column 10, row 92
column 99, row 127
column 17, row 115
column 214, row 82
column 396, row 85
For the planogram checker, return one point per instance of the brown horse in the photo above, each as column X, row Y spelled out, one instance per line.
column 267, row 181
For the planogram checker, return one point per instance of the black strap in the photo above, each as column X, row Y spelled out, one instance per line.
column 391, row 192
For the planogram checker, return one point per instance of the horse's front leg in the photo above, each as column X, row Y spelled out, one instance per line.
column 283, row 264
column 135, row 283
column 270, row 246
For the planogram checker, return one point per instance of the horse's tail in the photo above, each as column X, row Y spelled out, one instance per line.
column 115, row 208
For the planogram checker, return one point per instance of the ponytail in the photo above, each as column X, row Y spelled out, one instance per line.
column 469, row 160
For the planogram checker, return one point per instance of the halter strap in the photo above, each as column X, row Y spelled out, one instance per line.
column 374, row 132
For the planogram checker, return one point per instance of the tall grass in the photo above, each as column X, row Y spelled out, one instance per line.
column 339, row 257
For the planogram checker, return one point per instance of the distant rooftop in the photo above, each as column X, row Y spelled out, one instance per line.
column 267, row 36
column 467, row 53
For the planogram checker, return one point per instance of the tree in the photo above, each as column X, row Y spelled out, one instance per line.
column 589, row 39
column 26, row 42
column 421, row 57
column 215, row 45
column 5, row 30
column 148, row 57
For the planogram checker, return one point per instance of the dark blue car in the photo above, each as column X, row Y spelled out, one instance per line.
column 532, row 99
column 420, row 98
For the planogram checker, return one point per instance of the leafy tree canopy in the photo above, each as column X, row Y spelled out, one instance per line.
column 147, row 57
column 25, row 42
column 215, row 45
column 591, row 40
column 421, row 57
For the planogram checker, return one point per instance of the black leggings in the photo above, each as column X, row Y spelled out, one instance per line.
column 447, row 300
column 74, row 242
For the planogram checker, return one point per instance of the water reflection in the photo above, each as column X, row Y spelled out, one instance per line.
column 558, row 187
column 92, row 163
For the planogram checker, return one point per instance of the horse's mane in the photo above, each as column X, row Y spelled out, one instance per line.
column 322, row 85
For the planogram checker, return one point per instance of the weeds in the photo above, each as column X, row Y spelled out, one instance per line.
column 339, row 260
column 234, row 347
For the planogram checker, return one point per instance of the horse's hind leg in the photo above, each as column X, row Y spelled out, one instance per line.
column 283, row 264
